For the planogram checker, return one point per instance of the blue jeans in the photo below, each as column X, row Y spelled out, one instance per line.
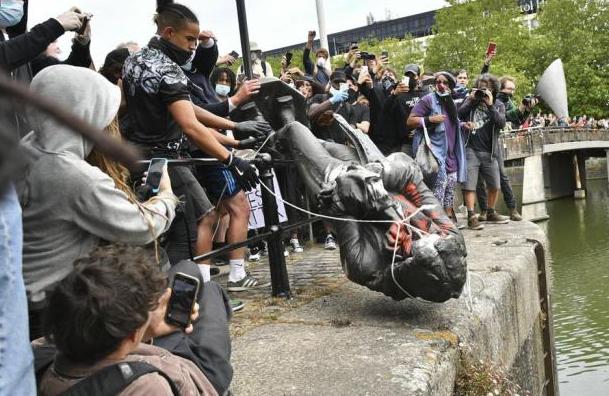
column 16, row 359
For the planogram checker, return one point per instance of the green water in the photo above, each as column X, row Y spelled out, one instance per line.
column 579, row 241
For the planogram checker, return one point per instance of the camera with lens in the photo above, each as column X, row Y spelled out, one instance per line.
column 479, row 94
column 528, row 100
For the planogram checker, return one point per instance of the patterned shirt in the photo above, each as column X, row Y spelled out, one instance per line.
column 151, row 82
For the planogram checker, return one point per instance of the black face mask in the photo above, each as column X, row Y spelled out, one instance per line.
column 412, row 84
column 352, row 95
column 175, row 53
column 388, row 83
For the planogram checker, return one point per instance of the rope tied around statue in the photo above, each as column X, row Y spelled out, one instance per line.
column 394, row 236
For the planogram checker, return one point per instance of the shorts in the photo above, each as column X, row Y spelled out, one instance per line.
column 195, row 205
column 481, row 163
column 219, row 181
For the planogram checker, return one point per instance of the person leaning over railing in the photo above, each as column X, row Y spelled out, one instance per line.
column 70, row 206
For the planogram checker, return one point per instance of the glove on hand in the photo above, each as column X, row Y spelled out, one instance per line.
column 253, row 128
column 243, row 171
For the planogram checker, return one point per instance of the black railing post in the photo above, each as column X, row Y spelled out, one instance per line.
column 279, row 272
column 245, row 39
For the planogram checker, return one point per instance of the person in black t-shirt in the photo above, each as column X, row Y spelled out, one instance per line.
column 485, row 117
column 362, row 113
column 162, row 115
column 323, row 106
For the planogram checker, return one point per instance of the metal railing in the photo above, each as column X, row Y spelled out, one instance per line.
column 274, row 232
column 527, row 142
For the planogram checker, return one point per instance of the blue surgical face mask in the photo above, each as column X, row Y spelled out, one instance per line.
column 222, row 89
column 11, row 12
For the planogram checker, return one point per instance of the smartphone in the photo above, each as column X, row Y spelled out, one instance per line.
column 385, row 54
column 184, row 291
column 155, row 172
column 406, row 80
column 234, row 54
column 85, row 22
column 288, row 58
column 491, row 47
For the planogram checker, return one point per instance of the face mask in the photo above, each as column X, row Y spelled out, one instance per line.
column 321, row 62
column 11, row 12
column 352, row 95
column 222, row 89
column 388, row 83
column 443, row 94
column 188, row 65
column 175, row 53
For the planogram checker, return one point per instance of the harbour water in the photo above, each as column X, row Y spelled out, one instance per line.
column 578, row 231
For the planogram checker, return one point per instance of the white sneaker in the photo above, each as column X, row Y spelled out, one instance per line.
column 254, row 255
column 295, row 244
column 330, row 243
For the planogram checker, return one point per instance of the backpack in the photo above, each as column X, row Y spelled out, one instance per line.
column 108, row 381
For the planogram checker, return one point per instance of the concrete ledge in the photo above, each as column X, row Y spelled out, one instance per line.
column 358, row 342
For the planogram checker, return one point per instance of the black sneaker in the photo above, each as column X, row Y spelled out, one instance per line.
column 247, row 283
column 213, row 271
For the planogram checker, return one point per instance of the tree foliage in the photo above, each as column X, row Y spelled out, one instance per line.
column 577, row 31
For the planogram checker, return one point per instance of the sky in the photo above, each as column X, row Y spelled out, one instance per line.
column 272, row 23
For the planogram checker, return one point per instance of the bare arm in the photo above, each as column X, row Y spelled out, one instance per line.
column 318, row 108
column 183, row 113
column 211, row 120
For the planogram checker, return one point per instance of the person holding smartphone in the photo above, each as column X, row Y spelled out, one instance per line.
column 121, row 319
column 72, row 198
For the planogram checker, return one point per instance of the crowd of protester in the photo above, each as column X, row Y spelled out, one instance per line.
column 88, row 254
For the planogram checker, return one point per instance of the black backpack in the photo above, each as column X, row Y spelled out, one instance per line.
column 109, row 381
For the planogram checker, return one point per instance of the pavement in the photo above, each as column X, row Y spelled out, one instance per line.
column 335, row 337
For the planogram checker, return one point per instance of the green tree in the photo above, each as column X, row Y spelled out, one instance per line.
column 462, row 33
column 578, row 33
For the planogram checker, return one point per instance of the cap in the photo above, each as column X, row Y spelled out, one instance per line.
column 338, row 75
column 412, row 68
column 254, row 46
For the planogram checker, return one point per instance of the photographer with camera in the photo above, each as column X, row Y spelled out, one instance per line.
column 485, row 117
column 516, row 115
column 110, row 323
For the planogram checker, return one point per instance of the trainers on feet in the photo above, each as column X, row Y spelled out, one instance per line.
column 474, row 224
column 236, row 305
column 496, row 218
column 514, row 215
column 482, row 216
column 330, row 243
column 295, row 244
column 213, row 271
column 247, row 283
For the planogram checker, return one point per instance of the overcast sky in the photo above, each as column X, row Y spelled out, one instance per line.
column 272, row 23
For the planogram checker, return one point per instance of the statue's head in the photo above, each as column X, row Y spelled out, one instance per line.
column 437, row 269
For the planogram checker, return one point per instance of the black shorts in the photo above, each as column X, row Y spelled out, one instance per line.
column 218, row 180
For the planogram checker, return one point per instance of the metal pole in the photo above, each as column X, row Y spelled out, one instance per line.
column 245, row 39
column 279, row 273
column 321, row 19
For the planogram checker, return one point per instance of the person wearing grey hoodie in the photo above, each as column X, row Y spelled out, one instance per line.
column 68, row 205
